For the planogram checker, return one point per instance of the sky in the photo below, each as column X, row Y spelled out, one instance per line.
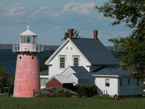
column 50, row 19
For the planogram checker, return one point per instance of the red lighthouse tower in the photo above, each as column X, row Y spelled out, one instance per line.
column 27, row 67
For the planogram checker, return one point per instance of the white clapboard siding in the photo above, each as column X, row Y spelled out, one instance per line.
column 54, row 69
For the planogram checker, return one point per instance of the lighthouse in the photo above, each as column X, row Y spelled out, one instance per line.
column 27, row 67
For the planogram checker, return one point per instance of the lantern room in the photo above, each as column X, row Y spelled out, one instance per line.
column 28, row 36
column 27, row 42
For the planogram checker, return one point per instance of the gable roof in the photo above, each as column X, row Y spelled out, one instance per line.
column 81, row 72
column 95, row 51
column 59, row 48
column 61, row 78
column 111, row 71
column 91, row 49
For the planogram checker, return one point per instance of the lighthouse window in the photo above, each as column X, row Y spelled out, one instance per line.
column 29, row 39
column 20, row 57
column 33, row 39
column 24, row 39
column 21, row 40
column 33, row 57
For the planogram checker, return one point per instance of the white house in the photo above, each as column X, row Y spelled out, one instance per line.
column 90, row 54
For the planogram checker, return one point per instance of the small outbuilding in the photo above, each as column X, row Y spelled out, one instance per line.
column 70, row 77
column 79, row 75
column 59, row 80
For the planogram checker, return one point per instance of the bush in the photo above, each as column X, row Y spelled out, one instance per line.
column 87, row 91
column 44, row 95
column 59, row 94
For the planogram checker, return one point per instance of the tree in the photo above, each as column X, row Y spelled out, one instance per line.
column 42, row 66
column 7, row 78
column 133, row 56
column 132, row 12
column 75, row 34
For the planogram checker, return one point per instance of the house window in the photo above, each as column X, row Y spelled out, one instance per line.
column 76, row 60
column 120, row 82
column 66, row 48
column 62, row 61
column 107, row 84
column 128, row 81
column 71, row 48
column 42, row 80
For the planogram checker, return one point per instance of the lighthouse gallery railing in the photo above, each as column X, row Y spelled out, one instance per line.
column 37, row 48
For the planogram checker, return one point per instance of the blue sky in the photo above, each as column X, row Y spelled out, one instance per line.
column 50, row 19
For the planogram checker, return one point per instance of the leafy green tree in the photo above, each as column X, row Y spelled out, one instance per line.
column 133, row 56
column 75, row 34
column 7, row 78
column 132, row 12
column 42, row 66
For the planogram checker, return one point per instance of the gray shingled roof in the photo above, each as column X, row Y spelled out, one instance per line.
column 63, row 79
column 95, row 51
column 81, row 72
column 112, row 71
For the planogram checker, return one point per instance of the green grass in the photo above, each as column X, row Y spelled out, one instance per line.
column 72, row 103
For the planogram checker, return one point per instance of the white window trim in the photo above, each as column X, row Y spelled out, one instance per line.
column 106, row 82
column 64, row 61
column 73, row 60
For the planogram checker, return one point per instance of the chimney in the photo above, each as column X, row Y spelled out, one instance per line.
column 70, row 32
column 95, row 34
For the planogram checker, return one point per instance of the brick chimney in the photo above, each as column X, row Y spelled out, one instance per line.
column 70, row 32
column 95, row 34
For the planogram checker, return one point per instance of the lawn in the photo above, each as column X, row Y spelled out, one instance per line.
column 70, row 103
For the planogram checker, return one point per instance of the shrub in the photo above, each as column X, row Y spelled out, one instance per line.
column 59, row 94
column 86, row 91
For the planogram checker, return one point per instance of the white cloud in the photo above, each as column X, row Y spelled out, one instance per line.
column 20, row 9
column 50, row 23
column 80, row 8
column 37, row 11
column 15, row 9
